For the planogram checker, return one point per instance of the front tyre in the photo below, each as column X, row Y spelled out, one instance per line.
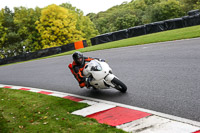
column 119, row 85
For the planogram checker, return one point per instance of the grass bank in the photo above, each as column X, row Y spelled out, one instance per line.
column 22, row 111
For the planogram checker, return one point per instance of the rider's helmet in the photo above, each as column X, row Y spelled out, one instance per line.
column 78, row 58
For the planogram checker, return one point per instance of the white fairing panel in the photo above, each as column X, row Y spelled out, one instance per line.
column 99, row 71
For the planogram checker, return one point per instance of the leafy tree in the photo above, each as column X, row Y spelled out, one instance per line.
column 84, row 24
column 87, row 28
column 151, row 2
column 71, row 8
column 166, row 10
column 197, row 5
column 2, row 40
column 126, row 21
column 102, row 25
column 10, row 45
column 57, row 26
column 139, row 12
column 191, row 4
column 25, row 19
column 91, row 16
column 3, row 30
column 119, row 17
column 139, row 4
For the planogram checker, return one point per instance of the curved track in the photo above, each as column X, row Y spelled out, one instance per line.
column 163, row 77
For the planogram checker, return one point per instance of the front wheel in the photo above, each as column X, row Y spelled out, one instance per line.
column 119, row 85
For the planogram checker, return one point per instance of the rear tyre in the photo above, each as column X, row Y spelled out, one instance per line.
column 119, row 85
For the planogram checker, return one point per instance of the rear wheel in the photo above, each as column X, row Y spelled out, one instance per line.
column 119, row 85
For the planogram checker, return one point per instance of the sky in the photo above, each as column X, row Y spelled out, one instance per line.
column 87, row 6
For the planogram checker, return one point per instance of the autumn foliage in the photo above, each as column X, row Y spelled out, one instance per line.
column 57, row 26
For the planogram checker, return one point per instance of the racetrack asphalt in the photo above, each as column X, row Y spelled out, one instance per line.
column 163, row 77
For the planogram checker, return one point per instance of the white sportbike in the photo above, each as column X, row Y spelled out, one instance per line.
column 102, row 76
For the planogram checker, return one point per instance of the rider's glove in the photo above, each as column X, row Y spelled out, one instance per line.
column 87, row 81
column 102, row 60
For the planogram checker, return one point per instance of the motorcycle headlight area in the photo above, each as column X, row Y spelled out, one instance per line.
column 95, row 66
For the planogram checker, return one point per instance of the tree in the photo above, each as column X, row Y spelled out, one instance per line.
column 91, row 16
column 126, row 21
column 84, row 24
column 57, row 26
column 3, row 30
column 71, row 8
column 118, row 17
column 151, row 2
column 197, row 5
column 166, row 10
column 10, row 45
column 25, row 19
column 87, row 28
column 103, row 25
column 191, row 4
column 2, row 39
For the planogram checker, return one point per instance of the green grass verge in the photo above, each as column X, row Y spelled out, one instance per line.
column 23, row 111
column 177, row 34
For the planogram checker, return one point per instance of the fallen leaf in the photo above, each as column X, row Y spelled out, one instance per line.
column 45, row 123
column 21, row 127
column 35, row 123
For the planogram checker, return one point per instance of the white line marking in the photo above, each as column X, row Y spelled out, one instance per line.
column 58, row 95
column 156, row 124
column 93, row 109
column 89, row 102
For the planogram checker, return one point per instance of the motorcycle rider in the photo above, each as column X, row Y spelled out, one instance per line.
column 77, row 67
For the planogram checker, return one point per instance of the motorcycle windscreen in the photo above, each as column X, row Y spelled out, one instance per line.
column 95, row 66
column 96, row 70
